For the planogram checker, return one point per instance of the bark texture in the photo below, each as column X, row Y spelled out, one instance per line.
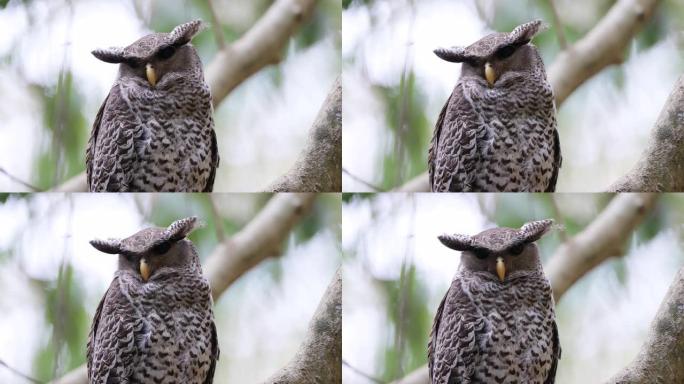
column 319, row 359
column 661, row 358
column 319, row 167
column 661, row 167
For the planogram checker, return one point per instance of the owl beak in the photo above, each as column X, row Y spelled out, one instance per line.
column 500, row 268
column 151, row 74
column 144, row 269
column 490, row 75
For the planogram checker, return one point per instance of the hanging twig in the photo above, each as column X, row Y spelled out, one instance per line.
column 362, row 181
column 16, row 372
column 218, row 220
column 216, row 27
column 33, row 188
column 559, row 26
column 361, row 373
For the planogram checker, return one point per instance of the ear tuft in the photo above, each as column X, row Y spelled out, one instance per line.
column 112, row 55
column 453, row 54
column 457, row 242
column 111, row 246
column 522, row 34
column 179, row 229
column 534, row 230
column 183, row 33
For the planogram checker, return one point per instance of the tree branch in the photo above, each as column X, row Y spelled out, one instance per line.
column 319, row 358
column 260, row 239
column 604, row 237
column 319, row 167
column 603, row 46
column 259, row 47
column 661, row 167
column 262, row 45
column 661, row 358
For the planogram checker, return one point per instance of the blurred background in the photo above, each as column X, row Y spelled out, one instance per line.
column 396, row 273
column 52, row 280
column 52, row 87
column 395, row 87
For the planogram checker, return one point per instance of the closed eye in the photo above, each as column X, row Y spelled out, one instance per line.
column 516, row 249
column 133, row 63
column 481, row 253
column 162, row 248
column 505, row 51
column 166, row 52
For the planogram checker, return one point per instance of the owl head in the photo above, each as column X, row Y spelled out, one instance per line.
column 158, row 58
column 499, row 56
column 501, row 252
column 152, row 249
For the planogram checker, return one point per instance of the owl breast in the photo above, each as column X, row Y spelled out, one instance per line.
column 497, row 139
column 174, row 333
column 171, row 139
column 519, row 323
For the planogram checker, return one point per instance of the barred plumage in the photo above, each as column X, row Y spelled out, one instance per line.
column 496, row 323
column 155, row 323
column 155, row 130
column 497, row 131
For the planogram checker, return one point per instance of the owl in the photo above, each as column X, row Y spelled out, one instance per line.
column 497, row 131
column 496, row 323
column 155, row 323
column 155, row 131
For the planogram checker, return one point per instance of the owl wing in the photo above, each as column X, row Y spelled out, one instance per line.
column 111, row 148
column 551, row 378
column 90, row 149
column 111, row 351
column 453, row 350
column 215, row 352
column 455, row 153
column 214, row 161
column 434, row 143
column 557, row 160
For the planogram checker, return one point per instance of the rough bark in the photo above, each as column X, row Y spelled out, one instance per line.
column 319, row 167
column 661, row 358
column 601, row 47
column 603, row 238
column 319, row 358
column 261, row 46
column 260, row 239
column 661, row 167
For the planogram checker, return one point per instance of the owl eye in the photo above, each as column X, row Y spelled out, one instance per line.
column 133, row 64
column 505, row 52
column 481, row 253
column 161, row 248
column 517, row 249
column 166, row 52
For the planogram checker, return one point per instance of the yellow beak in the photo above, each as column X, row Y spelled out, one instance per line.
column 490, row 75
column 151, row 74
column 500, row 268
column 144, row 269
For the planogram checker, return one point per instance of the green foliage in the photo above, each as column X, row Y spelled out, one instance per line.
column 69, row 323
column 62, row 149
column 408, row 317
column 410, row 130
